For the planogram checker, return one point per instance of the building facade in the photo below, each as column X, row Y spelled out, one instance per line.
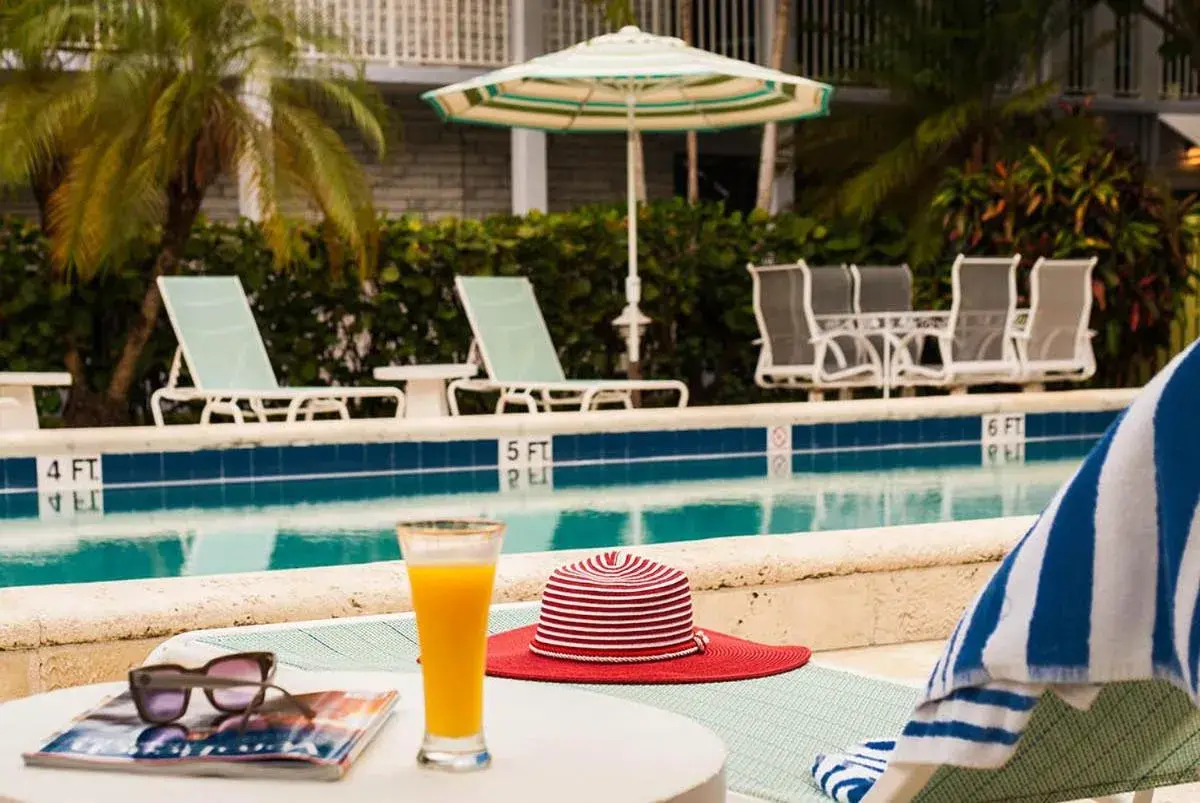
column 409, row 46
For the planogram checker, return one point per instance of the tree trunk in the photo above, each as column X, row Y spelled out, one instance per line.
column 770, row 141
column 184, row 196
column 687, row 26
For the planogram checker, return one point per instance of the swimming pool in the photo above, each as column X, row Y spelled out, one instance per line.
column 198, row 529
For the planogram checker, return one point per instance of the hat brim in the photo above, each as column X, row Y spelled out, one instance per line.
column 725, row 658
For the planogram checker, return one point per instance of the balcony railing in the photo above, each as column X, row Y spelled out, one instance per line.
column 1100, row 54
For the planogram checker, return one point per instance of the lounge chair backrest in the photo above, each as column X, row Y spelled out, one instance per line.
column 509, row 329
column 779, row 305
column 984, row 305
column 1060, row 305
column 217, row 333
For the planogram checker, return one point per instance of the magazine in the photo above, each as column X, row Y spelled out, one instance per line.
column 274, row 742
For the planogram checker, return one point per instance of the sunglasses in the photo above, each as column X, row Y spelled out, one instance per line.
column 233, row 684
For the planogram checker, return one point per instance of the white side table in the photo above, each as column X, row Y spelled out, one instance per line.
column 425, row 389
column 18, row 409
column 549, row 744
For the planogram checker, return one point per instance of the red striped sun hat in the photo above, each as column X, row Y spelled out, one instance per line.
column 621, row 618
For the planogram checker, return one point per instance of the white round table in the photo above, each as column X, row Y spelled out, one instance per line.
column 550, row 744
column 425, row 386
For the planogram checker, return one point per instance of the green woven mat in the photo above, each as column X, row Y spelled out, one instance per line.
column 773, row 727
column 1136, row 736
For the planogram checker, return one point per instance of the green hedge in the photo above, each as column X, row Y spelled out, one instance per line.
column 692, row 260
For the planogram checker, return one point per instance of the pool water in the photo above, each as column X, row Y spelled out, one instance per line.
column 170, row 532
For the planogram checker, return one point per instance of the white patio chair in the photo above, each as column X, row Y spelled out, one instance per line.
column 1054, row 342
column 975, row 338
column 518, row 356
column 226, row 358
column 882, row 290
column 798, row 351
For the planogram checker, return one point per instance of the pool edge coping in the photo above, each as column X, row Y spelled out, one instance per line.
column 36, row 617
column 369, row 430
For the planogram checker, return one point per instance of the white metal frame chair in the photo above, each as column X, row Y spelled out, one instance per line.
column 1053, row 341
column 795, row 350
column 513, row 346
column 975, row 338
column 227, row 361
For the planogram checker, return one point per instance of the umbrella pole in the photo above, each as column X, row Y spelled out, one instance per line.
column 633, row 285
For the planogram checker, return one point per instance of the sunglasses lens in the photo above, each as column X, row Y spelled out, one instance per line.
column 163, row 705
column 237, row 698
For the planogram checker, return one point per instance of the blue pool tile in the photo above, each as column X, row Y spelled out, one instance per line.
column 824, row 436
column 19, row 473
column 116, row 469
column 652, row 444
column 1076, row 423
column 802, row 437
column 237, row 464
column 460, row 454
column 1035, row 425
column 350, row 458
column 565, row 448
column 406, row 456
column 910, row 431
column 377, row 456
column 299, row 461
column 970, row 429
column 176, row 466
column 206, row 464
column 754, row 440
column 1097, row 423
column 691, row 442
column 487, row 452
column 589, row 447
column 267, row 462
column 433, row 455
column 889, row 433
column 615, row 445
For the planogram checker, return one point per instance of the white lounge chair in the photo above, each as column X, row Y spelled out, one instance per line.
column 1054, row 342
column 518, row 356
column 228, row 363
column 802, row 344
column 975, row 339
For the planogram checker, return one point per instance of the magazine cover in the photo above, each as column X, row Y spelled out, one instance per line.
column 275, row 741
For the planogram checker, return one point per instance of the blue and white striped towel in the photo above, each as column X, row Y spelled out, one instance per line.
column 1102, row 589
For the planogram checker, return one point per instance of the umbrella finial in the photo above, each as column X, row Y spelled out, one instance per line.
column 630, row 30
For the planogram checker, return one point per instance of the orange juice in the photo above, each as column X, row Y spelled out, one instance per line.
column 451, row 603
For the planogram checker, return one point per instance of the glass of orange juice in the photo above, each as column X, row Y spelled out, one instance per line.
column 451, row 569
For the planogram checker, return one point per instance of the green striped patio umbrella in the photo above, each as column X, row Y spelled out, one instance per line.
column 631, row 81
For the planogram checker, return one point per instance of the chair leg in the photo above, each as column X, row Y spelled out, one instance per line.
column 816, row 395
column 958, row 390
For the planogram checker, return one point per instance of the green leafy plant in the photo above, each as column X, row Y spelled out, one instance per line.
column 1063, row 202
column 173, row 95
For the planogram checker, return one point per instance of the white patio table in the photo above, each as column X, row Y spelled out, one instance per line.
column 549, row 744
column 425, row 385
column 895, row 329
column 18, row 409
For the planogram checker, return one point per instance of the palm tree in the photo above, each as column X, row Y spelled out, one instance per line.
column 957, row 75
column 42, row 94
column 168, row 114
